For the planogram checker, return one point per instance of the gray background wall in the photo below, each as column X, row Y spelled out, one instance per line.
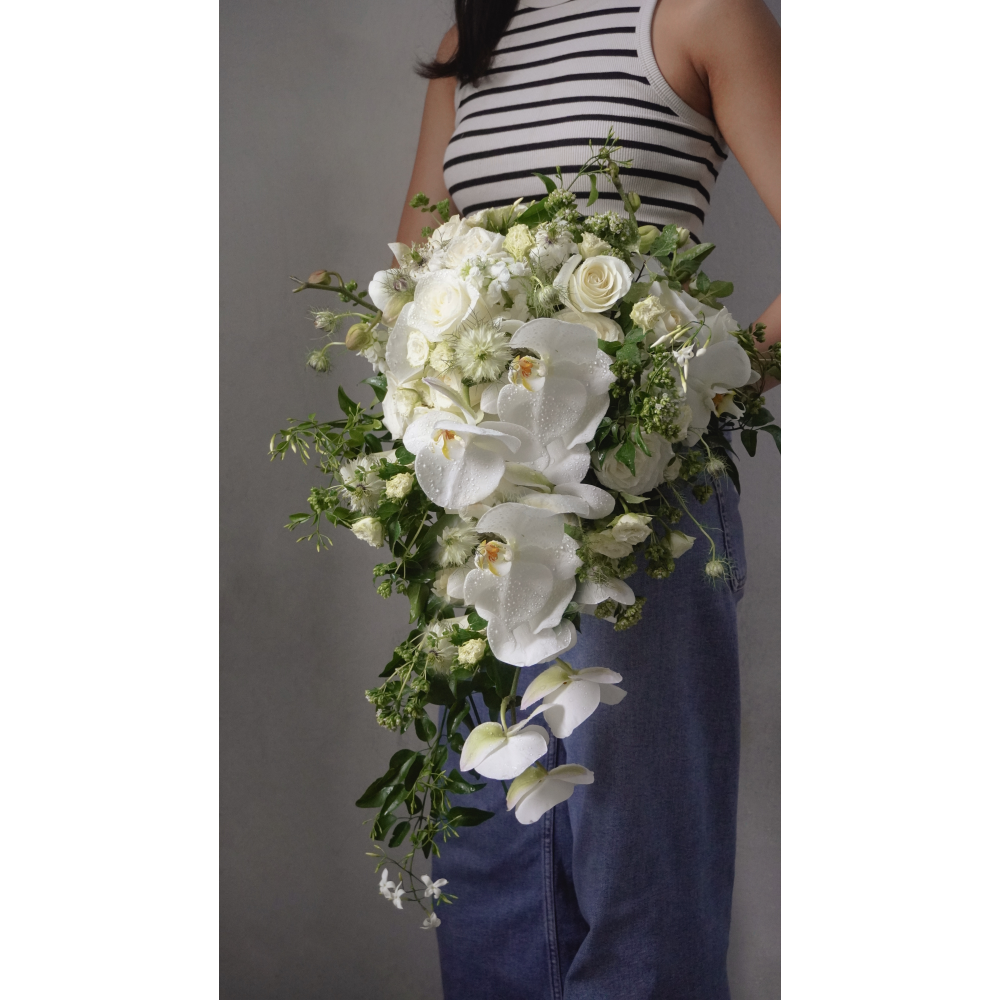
column 320, row 116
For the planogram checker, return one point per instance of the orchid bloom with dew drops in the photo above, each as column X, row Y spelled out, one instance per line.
column 560, row 396
column 431, row 921
column 522, row 584
column 433, row 888
column 501, row 752
column 534, row 792
column 459, row 463
column 569, row 697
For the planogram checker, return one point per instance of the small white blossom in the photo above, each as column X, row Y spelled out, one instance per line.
column 397, row 895
column 433, row 888
column 385, row 886
column 431, row 921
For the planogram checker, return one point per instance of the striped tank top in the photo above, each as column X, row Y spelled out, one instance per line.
column 563, row 73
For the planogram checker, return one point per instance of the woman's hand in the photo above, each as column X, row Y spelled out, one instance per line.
column 723, row 58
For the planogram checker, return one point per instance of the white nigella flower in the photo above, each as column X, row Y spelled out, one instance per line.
column 570, row 697
column 362, row 486
column 460, row 463
column 553, row 244
column 481, row 353
column 431, row 921
column 501, row 752
column 385, row 886
column 433, row 888
column 534, row 792
column 455, row 543
column 559, row 395
column 522, row 584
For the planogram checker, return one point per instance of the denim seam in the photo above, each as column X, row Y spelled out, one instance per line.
column 548, row 876
column 738, row 581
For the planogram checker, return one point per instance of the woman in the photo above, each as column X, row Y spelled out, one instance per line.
column 625, row 890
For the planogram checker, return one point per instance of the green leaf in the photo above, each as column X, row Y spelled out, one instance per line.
column 749, row 439
column 467, row 816
column 533, row 214
column 609, row 347
column 637, row 437
column 775, row 431
column 593, row 190
column 347, row 405
column 455, row 719
column 377, row 792
column 458, row 784
column 381, row 825
column 626, row 455
column 401, row 757
column 477, row 621
column 399, row 834
column 378, row 383
column 413, row 772
column 404, row 457
column 720, row 289
column 574, row 531
column 550, row 185
column 631, row 498
column 666, row 243
column 425, row 728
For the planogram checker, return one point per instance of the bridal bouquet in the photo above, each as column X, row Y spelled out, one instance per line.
column 522, row 356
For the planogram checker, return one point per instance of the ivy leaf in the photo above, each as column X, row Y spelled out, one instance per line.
column 775, row 431
column 609, row 347
column 664, row 244
column 378, row 383
column 626, row 455
column 399, row 834
column 404, row 457
column 477, row 621
column 467, row 816
column 749, row 439
column 550, row 185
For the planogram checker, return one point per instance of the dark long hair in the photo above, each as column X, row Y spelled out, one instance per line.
column 481, row 23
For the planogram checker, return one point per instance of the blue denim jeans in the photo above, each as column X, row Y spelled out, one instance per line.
column 625, row 890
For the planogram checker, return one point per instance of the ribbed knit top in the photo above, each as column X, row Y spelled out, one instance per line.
column 564, row 71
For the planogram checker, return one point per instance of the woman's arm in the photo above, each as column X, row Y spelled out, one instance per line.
column 436, row 128
column 723, row 58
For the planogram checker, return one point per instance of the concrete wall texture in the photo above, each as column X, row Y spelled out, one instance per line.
column 320, row 117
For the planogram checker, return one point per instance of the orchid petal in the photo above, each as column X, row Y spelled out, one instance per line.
column 523, row 784
column 480, row 743
column 570, row 706
column 599, row 675
column 545, row 683
column 575, row 774
column 515, row 754
column 591, row 592
column 611, row 695
column 395, row 348
column 549, row 412
column 601, row 502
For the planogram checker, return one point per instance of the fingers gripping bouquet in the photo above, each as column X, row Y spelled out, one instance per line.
column 556, row 392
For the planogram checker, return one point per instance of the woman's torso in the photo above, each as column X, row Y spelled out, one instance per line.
column 565, row 71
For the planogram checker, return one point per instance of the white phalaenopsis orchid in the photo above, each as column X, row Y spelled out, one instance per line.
column 459, row 462
column 433, row 888
column 716, row 369
column 536, row 791
column 569, row 697
column 521, row 585
column 502, row 753
column 560, row 396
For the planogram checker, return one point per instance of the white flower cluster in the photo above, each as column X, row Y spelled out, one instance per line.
column 496, row 384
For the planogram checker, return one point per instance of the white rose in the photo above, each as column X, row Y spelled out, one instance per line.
column 631, row 528
column 477, row 242
column 606, row 329
column 417, row 349
column 455, row 227
column 399, row 485
column 441, row 302
column 649, row 469
column 598, row 283
column 369, row 530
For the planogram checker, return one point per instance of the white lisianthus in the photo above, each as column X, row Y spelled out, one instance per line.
column 570, row 697
column 649, row 469
column 522, row 585
column 399, row 485
column 631, row 528
column 471, row 652
column 605, row 543
column 519, row 241
column 647, row 311
column 679, row 543
column 593, row 246
column 441, row 303
column 503, row 753
column 598, row 283
column 369, row 530
column 605, row 327
column 535, row 791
